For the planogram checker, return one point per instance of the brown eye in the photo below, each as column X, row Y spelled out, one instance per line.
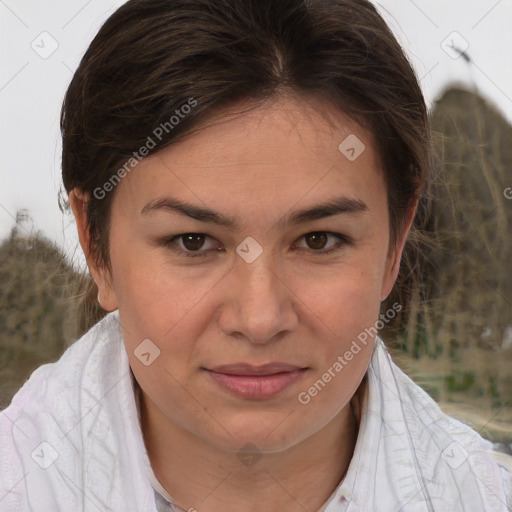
column 316, row 240
column 190, row 244
column 193, row 241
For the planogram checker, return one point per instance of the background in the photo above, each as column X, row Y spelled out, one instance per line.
column 458, row 345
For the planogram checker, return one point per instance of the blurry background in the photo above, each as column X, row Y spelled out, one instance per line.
column 457, row 340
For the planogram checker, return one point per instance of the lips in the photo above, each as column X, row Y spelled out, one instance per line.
column 256, row 382
column 247, row 369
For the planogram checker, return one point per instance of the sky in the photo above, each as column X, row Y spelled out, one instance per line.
column 42, row 42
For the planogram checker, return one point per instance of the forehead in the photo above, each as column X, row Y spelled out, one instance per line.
column 308, row 126
column 284, row 151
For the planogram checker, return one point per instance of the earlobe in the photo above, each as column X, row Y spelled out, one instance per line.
column 106, row 296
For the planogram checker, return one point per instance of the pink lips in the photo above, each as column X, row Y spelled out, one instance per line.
column 256, row 382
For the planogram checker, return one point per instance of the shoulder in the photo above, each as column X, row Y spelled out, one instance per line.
column 454, row 463
column 50, row 383
column 504, row 463
column 44, row 413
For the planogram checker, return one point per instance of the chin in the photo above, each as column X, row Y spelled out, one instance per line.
column 268, row 432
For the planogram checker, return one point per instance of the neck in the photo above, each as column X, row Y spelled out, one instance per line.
column 201, row 476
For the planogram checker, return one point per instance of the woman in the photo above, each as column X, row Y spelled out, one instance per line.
column 244, row 176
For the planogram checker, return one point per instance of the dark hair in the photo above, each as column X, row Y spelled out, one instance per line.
column 151, row 57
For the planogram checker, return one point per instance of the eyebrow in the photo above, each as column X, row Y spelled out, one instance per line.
column 319, row 211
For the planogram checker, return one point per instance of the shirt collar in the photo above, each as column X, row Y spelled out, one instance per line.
column 383, row 464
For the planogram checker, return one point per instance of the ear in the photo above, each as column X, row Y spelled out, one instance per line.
column 106, row 295
column 395, row 255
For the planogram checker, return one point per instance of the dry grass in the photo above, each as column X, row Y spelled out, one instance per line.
column 458, row 336
column 43, row 308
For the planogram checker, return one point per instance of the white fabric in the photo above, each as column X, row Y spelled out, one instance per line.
column 409, row 456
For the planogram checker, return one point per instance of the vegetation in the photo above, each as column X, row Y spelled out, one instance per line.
column 457, row 338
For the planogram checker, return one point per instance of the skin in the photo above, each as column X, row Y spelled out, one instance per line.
column 292, row 304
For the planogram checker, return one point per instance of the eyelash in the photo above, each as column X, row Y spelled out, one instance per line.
column 169, row 243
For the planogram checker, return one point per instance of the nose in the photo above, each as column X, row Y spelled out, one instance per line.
column 259, row 305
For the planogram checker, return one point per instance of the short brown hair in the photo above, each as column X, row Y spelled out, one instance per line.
column 151, row 56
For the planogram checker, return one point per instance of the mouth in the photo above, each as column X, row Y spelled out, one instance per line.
column 256, row 382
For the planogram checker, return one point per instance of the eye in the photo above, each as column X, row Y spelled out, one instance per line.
column 317, row 240
column 191, row 243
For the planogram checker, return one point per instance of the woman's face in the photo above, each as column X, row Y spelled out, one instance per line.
column 258, row 281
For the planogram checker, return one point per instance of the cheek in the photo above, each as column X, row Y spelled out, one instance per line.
column 347, row 298
column 349, row 311
column 169, row 306
column 149, row 305
column 346, row 308
column 152, row 295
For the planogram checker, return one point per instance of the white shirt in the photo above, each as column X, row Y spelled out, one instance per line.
column 70, row 441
